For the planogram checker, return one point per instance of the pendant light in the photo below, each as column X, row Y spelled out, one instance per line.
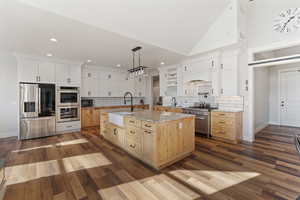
column 140, row 69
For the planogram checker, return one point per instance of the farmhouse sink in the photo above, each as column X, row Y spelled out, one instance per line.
column 117, row 118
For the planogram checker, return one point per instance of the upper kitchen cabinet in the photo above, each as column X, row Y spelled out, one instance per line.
column 229, row 73
column 28, row 70
column 89, row 83
column 47, row 72
column 198, row 70
column 68, row 75
column 36, row 71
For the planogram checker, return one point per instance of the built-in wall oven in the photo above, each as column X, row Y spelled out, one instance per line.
column 68, row 113
column 68, row 96
column 68, row 104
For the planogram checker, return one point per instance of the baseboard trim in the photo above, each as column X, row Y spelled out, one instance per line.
column 274, row 123
column 261, row 127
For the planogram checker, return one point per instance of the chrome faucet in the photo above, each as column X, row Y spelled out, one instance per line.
column 131, row 99
column 173, row 102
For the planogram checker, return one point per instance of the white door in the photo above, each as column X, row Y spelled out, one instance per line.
column 28, row 71
column 47, row 72
column 290, row 98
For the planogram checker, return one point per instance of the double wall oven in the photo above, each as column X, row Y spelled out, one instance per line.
column 68, row 104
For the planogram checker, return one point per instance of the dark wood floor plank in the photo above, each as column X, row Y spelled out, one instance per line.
column 272, row 156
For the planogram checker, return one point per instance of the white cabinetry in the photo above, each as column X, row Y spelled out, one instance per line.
column 90, row 83
column 104, row 82
column 68, row 75
column 47, row 72
column 221, row 69
column 36, row 71
column 229, row 74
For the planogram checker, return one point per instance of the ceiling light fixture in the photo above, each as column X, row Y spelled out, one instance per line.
column 162, row 63
column 49, row 55
column 88, row 61
column 118, row 65
column 53, row 39
column 140, row 69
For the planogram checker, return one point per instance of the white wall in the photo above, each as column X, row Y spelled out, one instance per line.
column 261, row 98
column 223, row 32
column 274, row 91
column 260, row 22
column 9, row 94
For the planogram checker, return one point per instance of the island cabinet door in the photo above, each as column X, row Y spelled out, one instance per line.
column 149, row 150
column 188, row 132
column 169, row 141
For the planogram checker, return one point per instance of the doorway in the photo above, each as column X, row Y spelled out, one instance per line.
column 156, row 99
column 290, row 98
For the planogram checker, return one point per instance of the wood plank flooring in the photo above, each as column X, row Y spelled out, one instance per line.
column 86, row 167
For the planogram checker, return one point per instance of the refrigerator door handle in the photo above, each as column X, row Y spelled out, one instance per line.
column 39, row 101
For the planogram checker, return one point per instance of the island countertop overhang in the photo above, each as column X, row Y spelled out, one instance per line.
column 150, row 116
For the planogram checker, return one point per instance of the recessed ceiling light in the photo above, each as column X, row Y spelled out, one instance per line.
column 162, row 63
column 118, row 65
column 49, row 54
column 88, row 61
column 53, row 39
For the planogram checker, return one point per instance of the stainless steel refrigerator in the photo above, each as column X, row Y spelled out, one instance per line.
column 37, row 110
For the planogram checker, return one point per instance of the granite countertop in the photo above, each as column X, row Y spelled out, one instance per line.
column 227, row 110
column 159, row 117
column 150, row 116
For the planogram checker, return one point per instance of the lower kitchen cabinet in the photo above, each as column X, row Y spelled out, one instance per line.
column 227, row 126
column 90, row 117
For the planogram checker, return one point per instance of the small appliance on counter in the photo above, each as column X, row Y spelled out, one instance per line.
column 87, row 102
column 37, row 110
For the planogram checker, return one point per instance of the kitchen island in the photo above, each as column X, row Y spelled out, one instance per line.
column 157, row 138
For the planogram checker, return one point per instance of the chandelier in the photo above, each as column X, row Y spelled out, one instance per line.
column 140, row 69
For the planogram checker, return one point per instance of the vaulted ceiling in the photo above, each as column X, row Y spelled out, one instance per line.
column 106, row 30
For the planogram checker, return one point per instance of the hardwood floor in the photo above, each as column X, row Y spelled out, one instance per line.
column 83, row 166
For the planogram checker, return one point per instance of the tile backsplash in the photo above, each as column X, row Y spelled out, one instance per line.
column 114, row 101
column 189, row 101
column 235, row 103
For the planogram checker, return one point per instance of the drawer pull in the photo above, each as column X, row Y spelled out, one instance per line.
column 222, row 114
column 222, row 122
column 132, row 146
column 131, row 121
column 148, row 132
column 115, row 131
column 132, row 132
column 148, row 126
